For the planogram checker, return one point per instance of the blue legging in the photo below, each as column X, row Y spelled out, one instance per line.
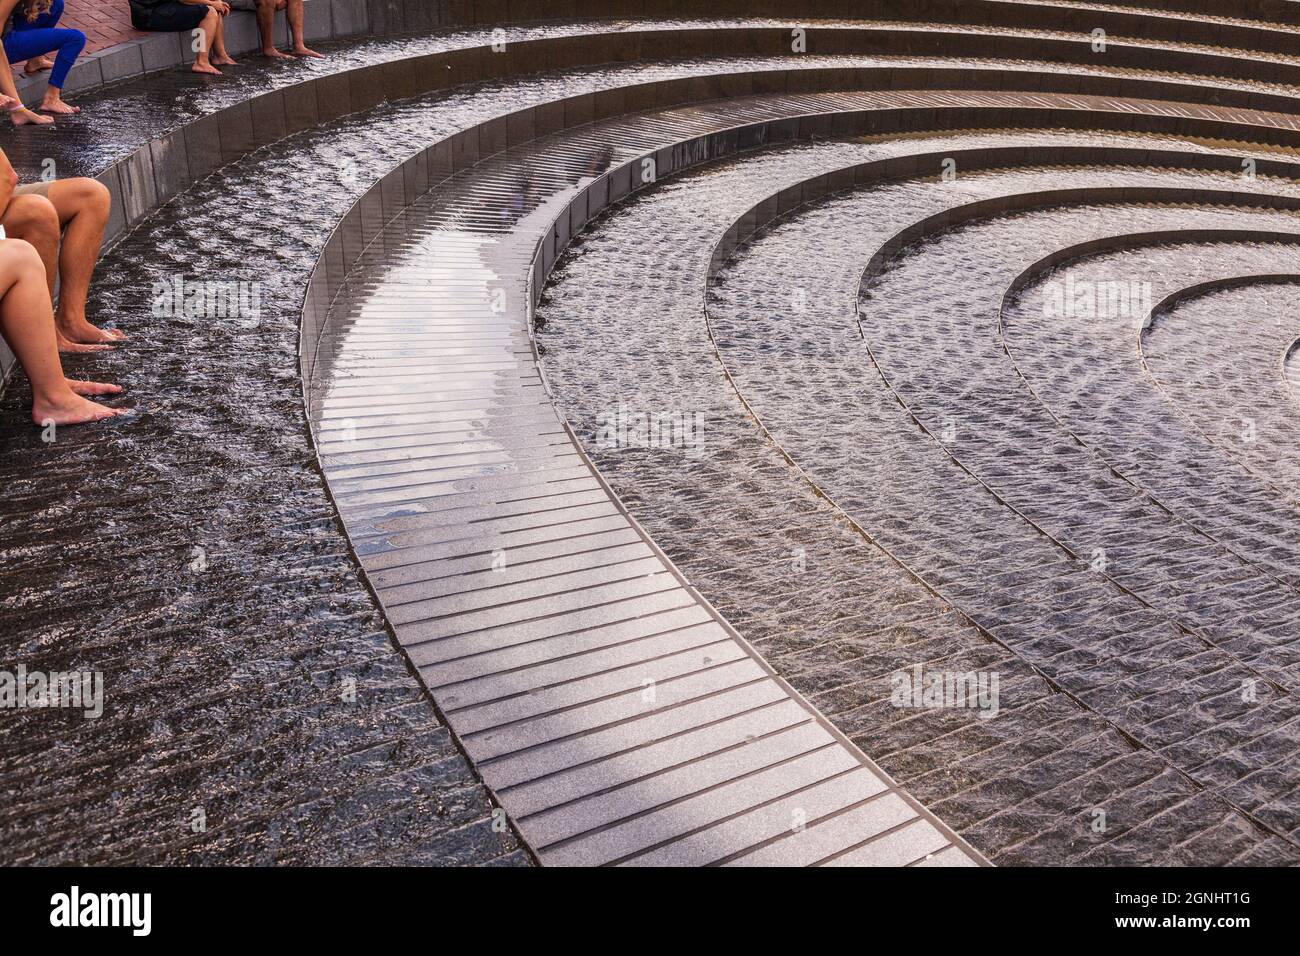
column 39, row 37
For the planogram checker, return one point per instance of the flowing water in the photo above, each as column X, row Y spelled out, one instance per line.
column 835, row 608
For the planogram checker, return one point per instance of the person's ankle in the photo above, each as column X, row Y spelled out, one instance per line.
column 55, row 399
column 67, row 321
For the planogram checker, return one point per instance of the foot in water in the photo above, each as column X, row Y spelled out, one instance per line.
column 72, row 410
column 77, row 331
column 224, row 60
column 93, row 388
column 303, row 51
column 53, row 103
column 25, row 117
column 207, row 68
column 80, row 348
column 275, row 54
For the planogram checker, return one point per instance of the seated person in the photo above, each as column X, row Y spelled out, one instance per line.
column 30, row 33
column 265, row 10
column 188, row 16
column 75, row 211
column 10, row 102
column 27, row 325
column 64, row 220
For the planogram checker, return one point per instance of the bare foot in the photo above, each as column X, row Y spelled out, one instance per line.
column 52, row 104
column 93, row 388
column 224, row 60
column 78, row 331
column 207, row 68
column 80, row 347
column 75, row 410
column 26, row 117
column 303, row 51
column 275, row 54
column 38, row 64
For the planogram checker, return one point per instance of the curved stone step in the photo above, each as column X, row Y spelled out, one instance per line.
column 1281, row 657
column 730, row 758
column 558, row 674
column 358, row 326
column 151, row 158
column 1179, row 358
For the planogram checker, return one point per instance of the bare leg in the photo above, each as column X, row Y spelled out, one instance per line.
column 266, row 29
column 208, row 27
column 219, row 54
column 28, row 326
column 82, row 207
column 294, row 15
column 34, row 220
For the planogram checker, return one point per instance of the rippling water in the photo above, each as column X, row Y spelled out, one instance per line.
column 624, row 324
column 190, row 551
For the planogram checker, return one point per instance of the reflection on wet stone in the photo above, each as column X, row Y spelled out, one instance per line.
column 889, row 483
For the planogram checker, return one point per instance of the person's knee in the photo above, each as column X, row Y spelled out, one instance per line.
column 90, row 195
column 18, row 257
column 75, row 42
column 32, row 218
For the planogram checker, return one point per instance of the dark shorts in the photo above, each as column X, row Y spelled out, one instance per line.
column 168, row 17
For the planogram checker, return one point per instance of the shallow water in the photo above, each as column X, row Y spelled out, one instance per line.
column 238, row 664
column 624, row 325
column 1219, row 360
column 191, row 552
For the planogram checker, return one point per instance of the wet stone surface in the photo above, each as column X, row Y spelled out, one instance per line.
column 119, row 118
column 1226, row 548
column 837, row 615
column 256, row 709
column 1219, row 359
column 1138, row 656
column 191, row 555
